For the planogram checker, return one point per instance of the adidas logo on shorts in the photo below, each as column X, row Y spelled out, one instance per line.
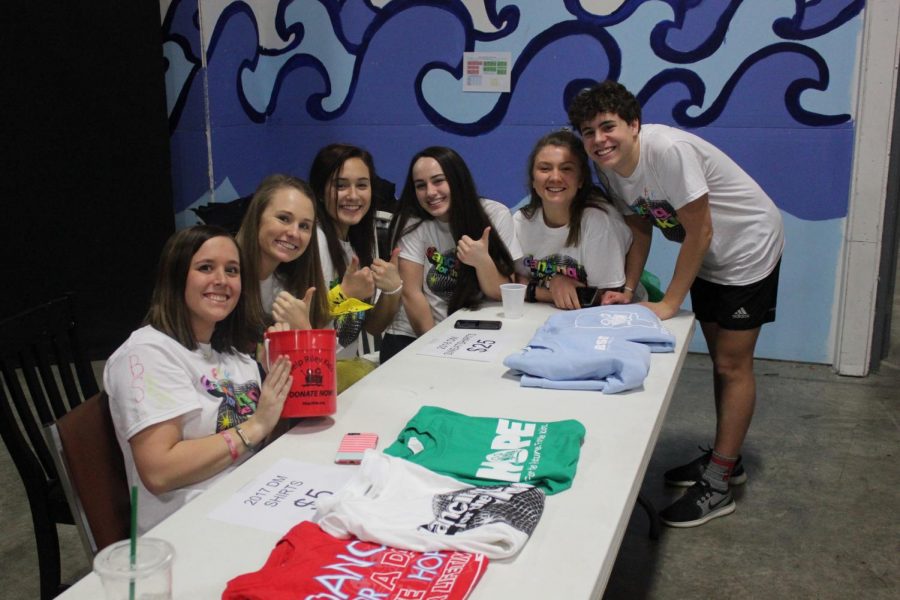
column 740, row 314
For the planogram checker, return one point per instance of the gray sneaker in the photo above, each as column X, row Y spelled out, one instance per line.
column 689, row 474
column 699, row 504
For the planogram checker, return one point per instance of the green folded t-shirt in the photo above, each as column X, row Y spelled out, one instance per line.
column 485, row 449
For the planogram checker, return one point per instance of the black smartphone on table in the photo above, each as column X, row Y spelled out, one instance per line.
column 588, row 296
column 476, row 324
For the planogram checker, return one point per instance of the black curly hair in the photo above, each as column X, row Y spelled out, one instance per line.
column 606, row 97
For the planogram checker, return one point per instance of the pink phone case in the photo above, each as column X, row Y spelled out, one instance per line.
column 352, row 447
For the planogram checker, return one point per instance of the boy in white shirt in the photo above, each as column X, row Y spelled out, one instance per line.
column 731, row 238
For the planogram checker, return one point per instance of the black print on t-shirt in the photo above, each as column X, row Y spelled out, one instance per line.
column 443, row 272
column 348, row 325
column 517, row 505
column 661, row 214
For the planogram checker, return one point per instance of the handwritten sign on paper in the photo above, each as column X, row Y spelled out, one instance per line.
column 282, row 496
column 483, row 346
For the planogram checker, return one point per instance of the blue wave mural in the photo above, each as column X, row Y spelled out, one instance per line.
column 260, row 86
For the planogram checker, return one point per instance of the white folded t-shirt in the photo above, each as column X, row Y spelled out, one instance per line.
column 397, row 503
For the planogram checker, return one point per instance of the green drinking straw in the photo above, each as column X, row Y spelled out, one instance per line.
column 133, row 558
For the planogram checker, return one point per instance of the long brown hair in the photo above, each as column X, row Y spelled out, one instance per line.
column 325, row 170
column 588, row 195
column 467, row 217
column 296, row 276
column 168, row 310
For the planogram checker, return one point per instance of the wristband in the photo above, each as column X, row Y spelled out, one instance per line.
column 394, row 292
column 628, row 289
column 547, row 280
column 232, row 449
column 244, row 439
column 531, row 292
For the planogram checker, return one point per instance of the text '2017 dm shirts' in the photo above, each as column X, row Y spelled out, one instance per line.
column 485, row 449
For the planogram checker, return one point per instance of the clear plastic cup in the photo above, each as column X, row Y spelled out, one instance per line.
column 513, row 295
column 151, row 574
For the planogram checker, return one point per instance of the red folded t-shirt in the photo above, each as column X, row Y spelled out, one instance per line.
column 309, row 563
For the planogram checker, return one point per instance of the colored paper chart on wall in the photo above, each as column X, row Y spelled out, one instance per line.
column 486, row 71
column 282, row 496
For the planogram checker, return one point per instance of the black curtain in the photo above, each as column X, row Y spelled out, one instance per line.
column 86, row 185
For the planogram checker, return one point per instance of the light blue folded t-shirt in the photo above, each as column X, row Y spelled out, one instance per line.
column 604, row 348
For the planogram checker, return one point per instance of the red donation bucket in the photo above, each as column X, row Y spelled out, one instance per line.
column 311, row 352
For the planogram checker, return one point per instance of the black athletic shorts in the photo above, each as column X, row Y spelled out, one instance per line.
column 736, row 307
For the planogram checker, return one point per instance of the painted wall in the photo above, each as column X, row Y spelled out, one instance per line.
column 257, row 87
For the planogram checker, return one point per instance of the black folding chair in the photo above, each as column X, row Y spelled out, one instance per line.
column 43, row 374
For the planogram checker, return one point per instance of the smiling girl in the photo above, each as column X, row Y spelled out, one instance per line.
column 569, row 233
column 341, row 177
column 278, row 240
column 455, row 247
column 186, row 403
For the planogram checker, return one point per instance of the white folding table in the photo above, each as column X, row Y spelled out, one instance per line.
column 572, row 550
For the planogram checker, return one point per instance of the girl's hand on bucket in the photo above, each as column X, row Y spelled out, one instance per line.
column 274, row 392
column 262, row 356
column 292, row 311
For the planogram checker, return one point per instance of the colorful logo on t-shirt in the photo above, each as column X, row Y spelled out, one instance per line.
column 555, row 264
column 517, row 505
column 238, row 399
column 661, row 214
column 443, row 273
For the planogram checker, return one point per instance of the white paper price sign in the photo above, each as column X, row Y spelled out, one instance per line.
column 282, row 496
column 483, row 346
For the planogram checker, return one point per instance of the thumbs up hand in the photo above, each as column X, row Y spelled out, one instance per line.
column 293, row 311
column 386, row 273
column 358, row 282
column 474, row 252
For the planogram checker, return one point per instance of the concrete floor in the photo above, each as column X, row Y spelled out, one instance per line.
column 816, row 518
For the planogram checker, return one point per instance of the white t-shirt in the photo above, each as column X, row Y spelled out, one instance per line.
column 676, row 167
column 598, row 260
column 432, row 245
column 268, row 289
column 151, row 378
column 347, row 327
column 400, row 504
